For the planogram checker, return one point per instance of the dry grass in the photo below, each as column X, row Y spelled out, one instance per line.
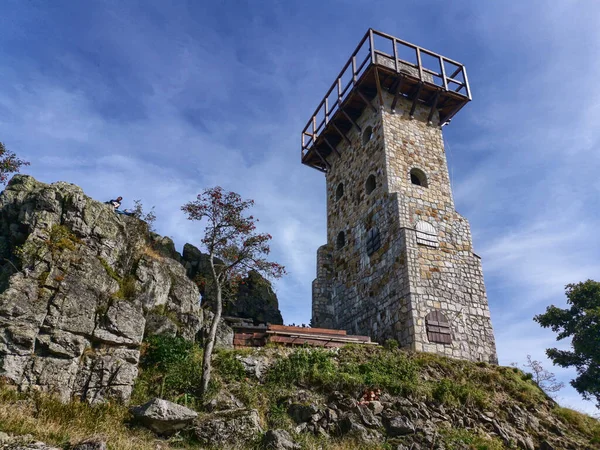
column 50, row 421
column 150, row 252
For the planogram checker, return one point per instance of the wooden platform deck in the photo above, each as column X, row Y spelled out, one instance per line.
column 258, row 336
column 381, row 63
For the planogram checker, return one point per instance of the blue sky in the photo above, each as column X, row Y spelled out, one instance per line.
column 157, row 100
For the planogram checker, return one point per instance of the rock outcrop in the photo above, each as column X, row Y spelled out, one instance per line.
column 255, row 299
column 79, row 288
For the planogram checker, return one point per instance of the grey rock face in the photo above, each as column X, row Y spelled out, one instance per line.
column 351, row 425
column 255, row 300
column 397, row 425
column 302, row 412
column 227, row 429
column 223, row 401
column 279, row 440
column 256, row 366
column 79, row 288
column 224, row 338
column 163, row 417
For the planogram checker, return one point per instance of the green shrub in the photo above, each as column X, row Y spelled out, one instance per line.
column 162, row 352
column 303, row 366
column 127, row 289
column 455, row 393
column 171, row 368
column 278, row 418
column 357, row 369
column 228, row 367
column 391, row 344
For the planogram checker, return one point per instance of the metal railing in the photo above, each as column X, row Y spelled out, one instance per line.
column 369, row 52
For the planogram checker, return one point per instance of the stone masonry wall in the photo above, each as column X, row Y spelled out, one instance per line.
column 367, row 294
column 389, row 293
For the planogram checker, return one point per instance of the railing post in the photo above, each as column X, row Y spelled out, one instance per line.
column 443, row 73
column 372, row 45
column 314, row 127
column 326, row 110
column 420, row 64
column 395, row 54
column 354, row 69
column 339, row 83
column 464, row 71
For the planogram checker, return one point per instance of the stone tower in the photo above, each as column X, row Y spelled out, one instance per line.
column 399, row 261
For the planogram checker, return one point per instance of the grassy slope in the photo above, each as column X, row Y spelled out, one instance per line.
column 171, row 369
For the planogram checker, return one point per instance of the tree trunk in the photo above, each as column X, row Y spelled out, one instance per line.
column 210, row 344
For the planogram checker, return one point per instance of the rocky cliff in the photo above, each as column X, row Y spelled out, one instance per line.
column 80, row 286
column 254, row 300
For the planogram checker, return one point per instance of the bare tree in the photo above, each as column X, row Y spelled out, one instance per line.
column 234, row 248
column 544, row 379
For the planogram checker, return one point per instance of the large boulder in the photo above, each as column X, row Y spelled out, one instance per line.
column 163, row 417
column 77, row 286
column 228, row 429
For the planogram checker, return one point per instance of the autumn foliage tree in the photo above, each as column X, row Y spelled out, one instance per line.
column 9, row 163
column 581, row 323
column 234, row 248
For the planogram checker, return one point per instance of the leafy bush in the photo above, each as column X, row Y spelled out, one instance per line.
column 303, row 366
column 127, row 288
column 171, row 368
column 391, row 344
column 228, row 367
column 375, row 367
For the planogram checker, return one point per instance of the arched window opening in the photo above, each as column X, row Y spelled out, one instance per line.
column 339, row 192
column 367, row 135
column 438, row 328
column 426, row 234
column 418, row 177
column 371, row 184
column 341, row 240
column 373, row 241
